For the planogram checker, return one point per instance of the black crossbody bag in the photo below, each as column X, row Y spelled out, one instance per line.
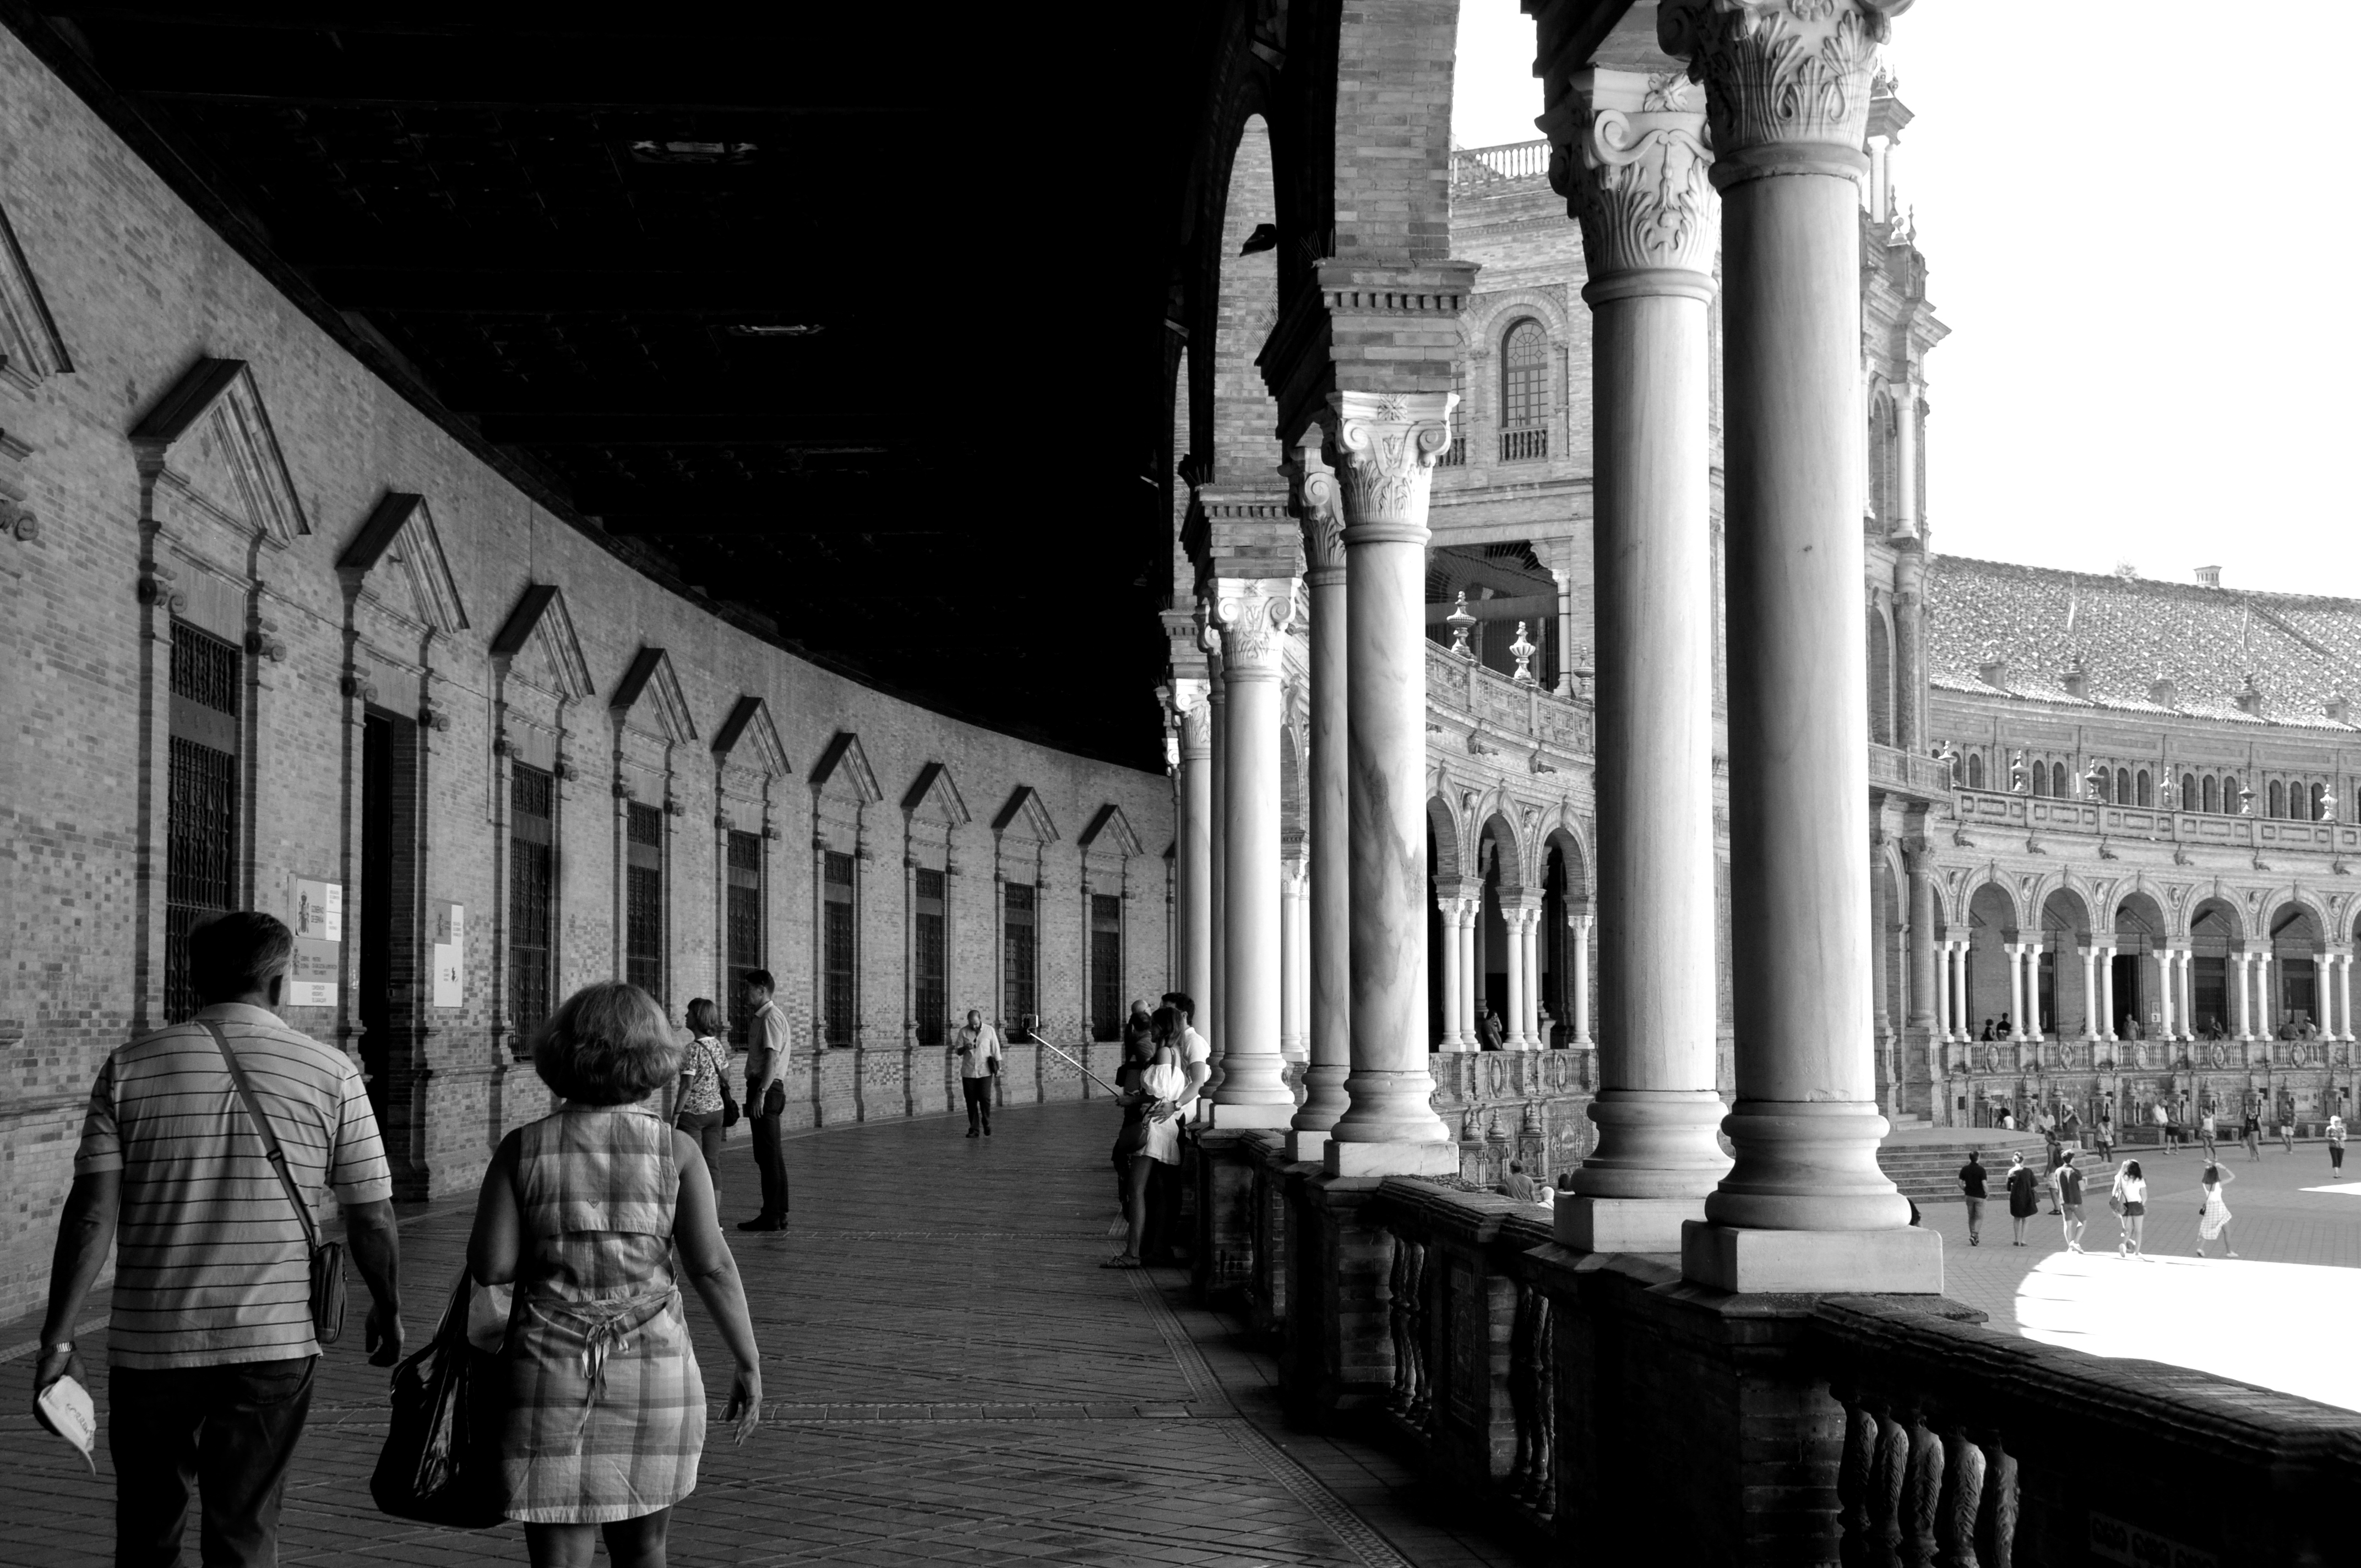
column 328, row 1258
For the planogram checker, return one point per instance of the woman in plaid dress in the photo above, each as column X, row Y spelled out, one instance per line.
column 581, row 1210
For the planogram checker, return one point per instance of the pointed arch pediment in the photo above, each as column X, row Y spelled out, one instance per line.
column 1027, row 817
column 750, row 722
column 210, row 438
column 401, row 530
column 651, row 691
column 31, row 349
column 1115, row 829
column 844, row 767
column 540, row 624
column 935, row 793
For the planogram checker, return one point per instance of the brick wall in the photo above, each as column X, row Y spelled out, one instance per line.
column 142, row 291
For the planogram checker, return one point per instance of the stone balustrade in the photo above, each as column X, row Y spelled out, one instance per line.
column 1551, row 1388
column 1898, row 772
column 2034, row 815
column 1462, row 689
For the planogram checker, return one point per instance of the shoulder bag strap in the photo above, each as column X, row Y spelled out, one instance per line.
column 270, row 1149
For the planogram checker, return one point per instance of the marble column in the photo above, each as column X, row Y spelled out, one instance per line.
column 1513, row 919
column 2267, row 1002
column 1533, row 980
column 1636, row 169
column 2015, row 951
column 1454, row 977
column 1212, row 1008
column 1910, row 649
column 2167, row 996
column 2090, row 994
column 2344, row 995
column 1577, row 984
column 1471, row 910
column 1252, row 616
column 1943, row 990
column 1327, row 825
column 1806, row 1206
column 2030, row 1026
column 1926, row 987
column 2243, row 1022
column 2107, row 992
column 1963, row 1013
column 2187, row 963
column 1291, row 957
column 1390, row 442
column 1190, row 700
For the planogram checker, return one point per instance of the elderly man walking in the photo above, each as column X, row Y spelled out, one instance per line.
column 978, row 1047
column 211, row 1347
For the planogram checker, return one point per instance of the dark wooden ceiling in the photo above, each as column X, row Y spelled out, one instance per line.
column 575, row 233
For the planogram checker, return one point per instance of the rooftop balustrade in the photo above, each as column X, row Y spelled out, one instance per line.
column 2034, row 815
column 1496, row 165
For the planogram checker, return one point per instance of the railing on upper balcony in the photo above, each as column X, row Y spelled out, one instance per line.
column 2037, row 814
column 1524, row 445
column 1497, row 165
column 1507, row 705
column 1927, row 777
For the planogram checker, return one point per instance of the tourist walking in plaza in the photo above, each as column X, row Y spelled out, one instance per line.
column 213, row 1342
column 582, row 1211
column 2023, row 1200
column 978, row 1048
column 2205, row 1131
column 2251, row 1132
column 766, row 1095
column 2102, row 1130
column 1169, row 1090
column 702, row 1106
column 2066, row 1183
column 2287, row 1120
column 2213, row 1214
column 2129, row 1201
column 1971, row 1186
column 2164, row 1127
column 2336, row 1144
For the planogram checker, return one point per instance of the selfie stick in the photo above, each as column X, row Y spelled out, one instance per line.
column 1086, row 1072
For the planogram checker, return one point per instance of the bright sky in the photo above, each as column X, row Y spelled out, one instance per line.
column 2137, row 245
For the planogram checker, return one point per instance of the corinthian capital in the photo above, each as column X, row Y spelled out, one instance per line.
column 1193, row 716
column 1391, row 442
column 1638, row 178
column 1252, row 615
column 1787, row 81
column 1317, row 505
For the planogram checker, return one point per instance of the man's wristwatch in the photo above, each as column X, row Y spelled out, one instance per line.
column 63, row 1345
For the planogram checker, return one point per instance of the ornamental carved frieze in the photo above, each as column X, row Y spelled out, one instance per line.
column 1252, row 615
column 1391, row 442
column 1639, row 177
column 1780, row 73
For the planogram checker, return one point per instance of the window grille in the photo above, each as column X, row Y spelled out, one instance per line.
column 932, row 997
column 1019, row 948
column 643, row 912
column 205, row 668
column 532, row 866
column 838, row 993
column 1106, row 967
column 742, row 919
column 1524, row 393
column 199, row 858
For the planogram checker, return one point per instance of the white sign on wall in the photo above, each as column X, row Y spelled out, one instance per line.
column 450, row 955
column 319, row 924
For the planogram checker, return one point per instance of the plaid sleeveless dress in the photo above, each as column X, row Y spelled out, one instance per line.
column 606, row 1406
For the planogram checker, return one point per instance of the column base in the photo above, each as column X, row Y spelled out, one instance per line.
column 1229, row 1118
column 1905, row 1261
column 1304, row 1148
column 1624, row 1224
column 1437, row 1158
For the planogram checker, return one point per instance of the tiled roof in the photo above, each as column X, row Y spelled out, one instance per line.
column 2128, row 631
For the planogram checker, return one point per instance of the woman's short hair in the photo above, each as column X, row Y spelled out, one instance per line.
column 608, row 1044
column 704, row 1017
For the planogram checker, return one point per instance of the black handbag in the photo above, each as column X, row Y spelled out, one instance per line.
column 328, row 1258
column 440, row 1463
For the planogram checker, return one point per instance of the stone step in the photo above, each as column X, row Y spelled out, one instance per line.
column 1930, row 1172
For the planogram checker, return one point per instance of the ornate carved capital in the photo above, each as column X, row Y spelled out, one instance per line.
column 1317, row 504
column 1391, row 442
column 1787, row 81
column 1636, row 177
column 1192, row 712
column 1252, row 615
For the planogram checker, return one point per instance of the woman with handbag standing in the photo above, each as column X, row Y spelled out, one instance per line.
column 582, row 1211
column 704, row 1109
column 2129, row 1201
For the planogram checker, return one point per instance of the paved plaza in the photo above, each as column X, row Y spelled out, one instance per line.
column 950, row 1379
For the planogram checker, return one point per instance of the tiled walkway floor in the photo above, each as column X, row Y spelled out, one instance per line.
column 950, row 1379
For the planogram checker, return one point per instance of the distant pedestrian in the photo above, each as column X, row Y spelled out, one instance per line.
column 2166, row 1131
column 2023, row 1201
column 2287, row 1120
column 978, row 1048
column 2004, row 1028
column 211, row 1349
column 2102, row 1130
column 1488, row 1029
column 2336, row 1144
column 2205, row 1130
column 698, row 1108
column 767, row 1048
column 1971, row 1186
column 2213, row 1214
column 1520, row 1186
column 2129, row 1201
column 1987, row 1034
column 2251, row 1132
column 2066, row 1183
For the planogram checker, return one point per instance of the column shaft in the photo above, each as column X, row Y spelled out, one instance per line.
column 1925, row 986
column 2165, row 1009
column 2015, row 951
column 2344, row 994
column 1469, row 911
column 2107, row 992
column 1533, row 980
column 1197, row 852
column 1253, row 617
column 2187, row 963
column 1578, row 983
column 1390, row 442
column 1328, row 822
column 1447, row 906
column 1212, row 1008
column 1513, row 926
column 2091, row 994
column 1639, row 181
column 2238, row 995
column 1291, row 974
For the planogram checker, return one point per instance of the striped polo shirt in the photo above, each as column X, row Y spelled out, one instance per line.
column 210, row 1262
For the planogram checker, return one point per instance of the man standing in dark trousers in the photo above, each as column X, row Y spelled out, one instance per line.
column 979, row 1056
column 767, row 1096
column 1972, row 1187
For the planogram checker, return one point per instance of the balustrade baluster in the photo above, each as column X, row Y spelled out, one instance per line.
column 1996, row 1518
column 1922, row 1493
column 1853, row 1469
column 1962, row 1503
column 1887, row 1472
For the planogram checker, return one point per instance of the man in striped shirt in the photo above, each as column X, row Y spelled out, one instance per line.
column 210, row 1347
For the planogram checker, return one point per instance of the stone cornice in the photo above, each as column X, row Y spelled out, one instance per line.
column 1368, row 326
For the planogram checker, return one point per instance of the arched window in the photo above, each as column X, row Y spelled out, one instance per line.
column 1524, row 392
column 2041, row 779
column 2277, row 803
column 2318, row 798
column 2147, row 789
column 2189, row 792
column 2230, row 793
column 1975, row 770
column 2213, row 798
column 2123, row 786
column 1881, row 458
column 2058, row 779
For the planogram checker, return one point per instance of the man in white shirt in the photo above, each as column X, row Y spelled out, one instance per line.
column 766, row 1095
column 978, row 1046
column 1196, row 1052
